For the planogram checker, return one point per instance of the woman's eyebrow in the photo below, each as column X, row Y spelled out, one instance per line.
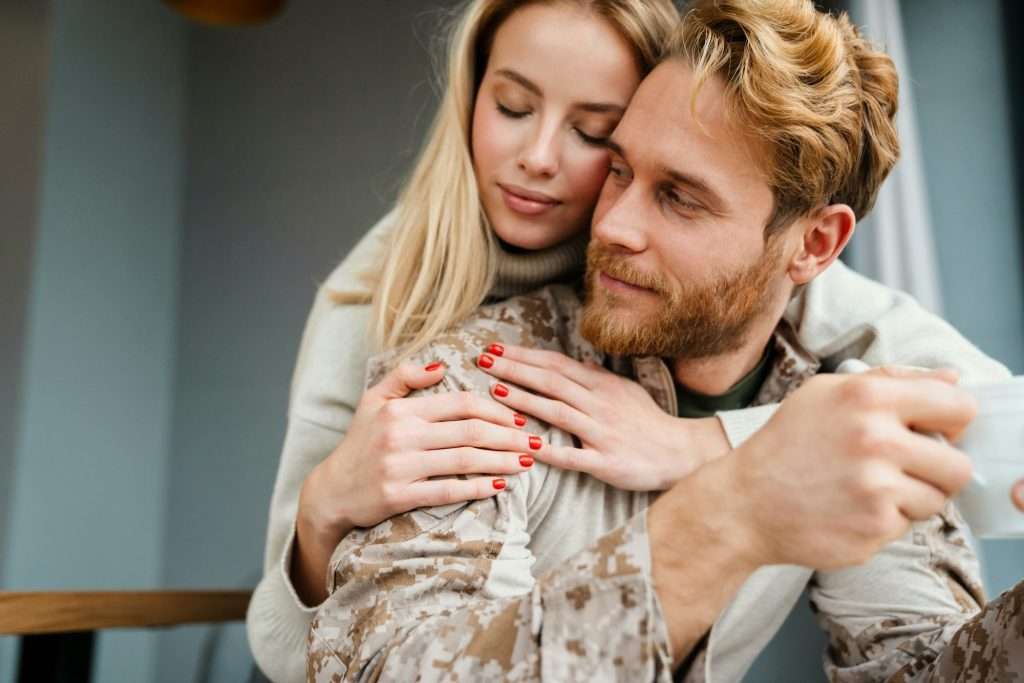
column 592, row 107
column 521, row 80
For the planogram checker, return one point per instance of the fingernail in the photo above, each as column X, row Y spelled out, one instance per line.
column 502, row 391
column 485, row 361
column 526, row 460
column 496, row 349
column 535, row 443
column 434, row 366
column 498, row 484
column 520, row 420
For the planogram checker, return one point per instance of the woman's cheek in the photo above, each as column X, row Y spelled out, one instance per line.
column 589, row 176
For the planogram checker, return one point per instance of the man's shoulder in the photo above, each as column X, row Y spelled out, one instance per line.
column 546, row 318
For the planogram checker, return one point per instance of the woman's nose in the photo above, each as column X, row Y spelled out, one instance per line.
column 540, row 156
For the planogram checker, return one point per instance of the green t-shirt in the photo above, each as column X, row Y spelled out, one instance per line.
column 740, row 395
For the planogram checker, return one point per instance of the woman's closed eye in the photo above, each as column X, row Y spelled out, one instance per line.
column 595, row 140
column 511, row 113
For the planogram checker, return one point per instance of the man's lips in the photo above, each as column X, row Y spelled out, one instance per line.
column 616, row 285
column 525, row 201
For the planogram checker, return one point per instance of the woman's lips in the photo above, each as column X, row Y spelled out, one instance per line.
column 616, row 285
column 525, row 201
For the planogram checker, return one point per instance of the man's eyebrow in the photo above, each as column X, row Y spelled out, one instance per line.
column 615, row 147
column 592, row 107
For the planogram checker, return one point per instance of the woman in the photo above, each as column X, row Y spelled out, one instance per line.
column 498, row 204
column 470, row 224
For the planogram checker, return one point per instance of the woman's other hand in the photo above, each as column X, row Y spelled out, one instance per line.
column 384, row 465
column 626, row 439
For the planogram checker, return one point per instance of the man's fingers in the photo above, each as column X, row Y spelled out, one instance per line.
column 920, row 500
column 468, row 460
column 924, row 403
column 947, row 375
column 435, row 492
column 408, row 377
column 1017, row 494
column 460, row 405
column 934, row 463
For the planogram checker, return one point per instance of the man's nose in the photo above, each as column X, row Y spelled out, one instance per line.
column 622, row 224
column 540, row 156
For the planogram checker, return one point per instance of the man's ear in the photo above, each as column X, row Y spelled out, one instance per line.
column 825, row 234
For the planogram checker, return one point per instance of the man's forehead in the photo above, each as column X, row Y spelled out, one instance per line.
column 665, row 122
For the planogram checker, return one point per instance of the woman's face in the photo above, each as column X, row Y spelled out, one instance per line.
column 557, row 82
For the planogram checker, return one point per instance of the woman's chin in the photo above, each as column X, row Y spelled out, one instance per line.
column 519, row 240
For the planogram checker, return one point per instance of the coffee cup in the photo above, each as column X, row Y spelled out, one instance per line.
column 995, row 443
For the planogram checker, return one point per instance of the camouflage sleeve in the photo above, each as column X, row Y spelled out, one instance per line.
column 897, row 612
column 412, row 603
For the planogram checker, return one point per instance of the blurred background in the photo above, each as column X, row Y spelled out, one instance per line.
column 172, row 195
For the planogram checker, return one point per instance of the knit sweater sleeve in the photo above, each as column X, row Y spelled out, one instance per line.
column 843, row 315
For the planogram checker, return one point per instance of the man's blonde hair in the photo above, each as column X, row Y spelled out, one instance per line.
column 442, row 255
column 810, row 87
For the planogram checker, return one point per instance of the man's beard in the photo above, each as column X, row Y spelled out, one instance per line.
column 691, row 321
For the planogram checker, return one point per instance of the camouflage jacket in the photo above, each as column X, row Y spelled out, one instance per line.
column 550, row 580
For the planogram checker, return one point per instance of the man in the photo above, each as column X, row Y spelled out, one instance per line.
column 738, row 173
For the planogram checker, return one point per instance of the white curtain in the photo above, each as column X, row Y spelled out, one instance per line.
column 895, row 243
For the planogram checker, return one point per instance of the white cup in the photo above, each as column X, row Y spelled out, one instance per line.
column 995, row 443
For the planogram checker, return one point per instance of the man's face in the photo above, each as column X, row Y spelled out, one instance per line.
column 678, row 265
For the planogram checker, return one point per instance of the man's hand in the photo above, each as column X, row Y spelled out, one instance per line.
column 843, row 468
column 839, row 471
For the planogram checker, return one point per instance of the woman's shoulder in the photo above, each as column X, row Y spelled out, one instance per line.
column 349, row 275
column 330, row 368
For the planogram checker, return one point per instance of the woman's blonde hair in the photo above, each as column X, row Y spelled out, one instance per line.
column 441, row 256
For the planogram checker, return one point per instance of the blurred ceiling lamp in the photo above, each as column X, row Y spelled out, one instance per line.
column 228, row 12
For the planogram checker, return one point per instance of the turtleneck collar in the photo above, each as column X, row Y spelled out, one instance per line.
column 522, row 272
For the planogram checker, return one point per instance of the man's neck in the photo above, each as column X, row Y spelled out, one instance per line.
column 715, row 375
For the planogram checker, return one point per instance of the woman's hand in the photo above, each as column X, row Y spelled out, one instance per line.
column 384, row 464
column 1018, row 495
column 626, row 439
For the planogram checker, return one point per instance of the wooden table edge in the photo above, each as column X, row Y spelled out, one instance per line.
column 28, row 613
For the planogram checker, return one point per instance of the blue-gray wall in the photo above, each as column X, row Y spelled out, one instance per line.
column 957, row 57
column 24, row 45
column 297, row 134
column 89, row 473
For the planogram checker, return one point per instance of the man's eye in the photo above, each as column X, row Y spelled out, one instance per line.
column 680, row 203
column 511, row 113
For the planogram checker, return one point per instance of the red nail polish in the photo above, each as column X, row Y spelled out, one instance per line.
column 535, row 443
column 502, row 391
column 526, row 460
column 496, row 349
column 485, row 361
column 520, row 420
column 434, row 366
column 498, row 484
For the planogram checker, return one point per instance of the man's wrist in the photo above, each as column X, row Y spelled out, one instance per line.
column 702, row 550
